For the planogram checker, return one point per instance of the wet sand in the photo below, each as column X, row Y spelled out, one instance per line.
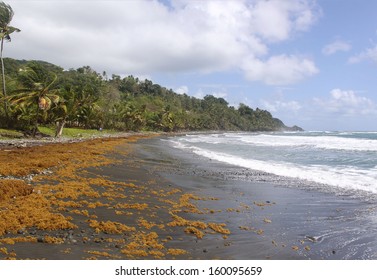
column 146, row 200
column 273, row 220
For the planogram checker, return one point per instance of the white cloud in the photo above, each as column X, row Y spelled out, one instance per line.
column 281, row 106
column 182, row 90
column 148, row 36
column 279, row 70
column 336, row 46
column 368, row 54
column 347, row 103
column 199, row 94
column 219, row 94
column 275, row 20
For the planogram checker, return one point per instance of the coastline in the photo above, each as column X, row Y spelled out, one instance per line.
column 294, row 221
column 146, row 200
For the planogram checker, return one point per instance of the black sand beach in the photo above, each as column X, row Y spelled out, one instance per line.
column 272, row 220
column 153, row 201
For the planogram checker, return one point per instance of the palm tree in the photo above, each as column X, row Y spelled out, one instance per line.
column 38, row 90
column 6, row 15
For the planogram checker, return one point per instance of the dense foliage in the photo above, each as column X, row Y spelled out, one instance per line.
column 43, row 93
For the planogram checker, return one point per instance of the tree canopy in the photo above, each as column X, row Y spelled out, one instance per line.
column 6, row 16
column 43, row 93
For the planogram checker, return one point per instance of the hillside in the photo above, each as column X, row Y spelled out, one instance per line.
column 43, row 93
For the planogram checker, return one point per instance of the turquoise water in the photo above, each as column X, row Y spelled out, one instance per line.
column 338, row 160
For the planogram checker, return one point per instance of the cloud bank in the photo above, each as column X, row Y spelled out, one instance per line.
column 347, row 103
column 150, row 36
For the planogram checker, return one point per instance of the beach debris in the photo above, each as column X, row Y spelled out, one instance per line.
column 244, row 206
column 67, row 251
column 219, row 228
column 98, row 253
column 179, row 221
column 263, row 203
column 244, row 228
column 4, row 251
column 70, row 190
column 198, row 233
column 109, row 227
column 137, row 206
column 176, row 252
column 144, row 223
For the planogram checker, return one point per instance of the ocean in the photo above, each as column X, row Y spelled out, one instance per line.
column 340, row 162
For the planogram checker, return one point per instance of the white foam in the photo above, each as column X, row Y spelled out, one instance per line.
column 328, row 142
column 350, row 178
column 355, row 173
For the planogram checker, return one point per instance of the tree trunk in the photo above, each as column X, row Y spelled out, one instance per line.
column 59, row 128
column 3, row 77
column 35, row 129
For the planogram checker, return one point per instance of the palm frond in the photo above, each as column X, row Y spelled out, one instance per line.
column 6, row 14
column 6, row 33
column 12, row 29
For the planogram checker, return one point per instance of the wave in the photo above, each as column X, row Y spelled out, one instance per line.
column 322, row 142
column 346, row 177
column 318, row 142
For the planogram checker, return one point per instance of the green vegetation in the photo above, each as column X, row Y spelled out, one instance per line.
column 8, row 133
column 43, row 94
column 75, row 132
column 6, row 15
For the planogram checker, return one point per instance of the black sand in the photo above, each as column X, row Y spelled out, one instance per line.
column 272, row 221
column 267, row 220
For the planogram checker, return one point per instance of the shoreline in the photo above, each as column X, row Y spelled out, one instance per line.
column 96, row 207
column 137, row 198
column 30, row 142
column 307, row 222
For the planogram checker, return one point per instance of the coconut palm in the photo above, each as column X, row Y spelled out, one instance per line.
column 38, row 90
column 6, row 15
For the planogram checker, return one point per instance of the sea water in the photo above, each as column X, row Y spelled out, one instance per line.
column 345, row 161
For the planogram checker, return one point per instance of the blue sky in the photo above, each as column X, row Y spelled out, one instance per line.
column 310, row 63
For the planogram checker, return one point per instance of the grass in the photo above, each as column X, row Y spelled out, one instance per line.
column 8, row 133
column 75, row 132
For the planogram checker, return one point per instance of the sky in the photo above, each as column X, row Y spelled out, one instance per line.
column 311, row 63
